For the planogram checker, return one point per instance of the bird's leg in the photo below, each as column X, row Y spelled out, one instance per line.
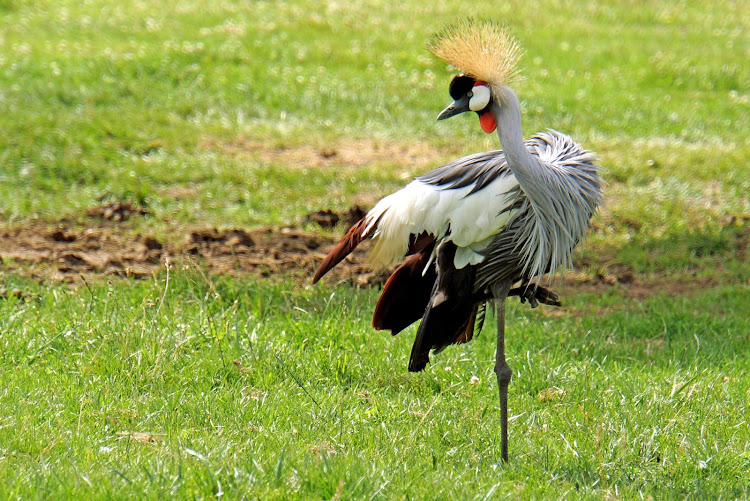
column 502, row 371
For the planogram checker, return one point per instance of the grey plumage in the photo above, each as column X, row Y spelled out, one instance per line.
column 542, row 233
column 476, row 170
column 561, row 200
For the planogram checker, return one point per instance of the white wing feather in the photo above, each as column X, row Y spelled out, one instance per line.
column 469, row 221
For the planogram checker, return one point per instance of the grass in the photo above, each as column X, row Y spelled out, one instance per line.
column 214, row 113
column 125, row 102
column 182, row 387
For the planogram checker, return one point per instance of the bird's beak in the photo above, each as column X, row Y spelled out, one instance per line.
column 456, row 107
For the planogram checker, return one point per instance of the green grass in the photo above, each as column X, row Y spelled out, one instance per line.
column 131, row 389
column 127, row 101
column 128, row 388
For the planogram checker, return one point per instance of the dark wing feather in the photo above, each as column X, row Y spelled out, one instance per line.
column 342, row 249
column 477, row 170
column 406, row 293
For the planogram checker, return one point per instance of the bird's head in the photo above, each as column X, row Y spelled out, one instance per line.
column 470, row 94
column 487, row 55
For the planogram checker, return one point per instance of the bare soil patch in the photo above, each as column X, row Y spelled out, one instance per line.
column 66, row 252
column 326, row 218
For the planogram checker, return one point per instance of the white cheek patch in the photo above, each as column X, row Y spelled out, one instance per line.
column 480, row 99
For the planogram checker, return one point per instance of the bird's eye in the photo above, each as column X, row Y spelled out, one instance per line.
column 469, row 94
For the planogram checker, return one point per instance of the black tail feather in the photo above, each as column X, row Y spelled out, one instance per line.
column 451, row 311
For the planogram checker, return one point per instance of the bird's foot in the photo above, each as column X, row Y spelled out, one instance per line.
column 535, row 294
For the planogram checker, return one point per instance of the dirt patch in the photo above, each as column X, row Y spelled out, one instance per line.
column 71, row 251
column 326, row 218
column 323, row 218
column 65, row 253
column 356, row 153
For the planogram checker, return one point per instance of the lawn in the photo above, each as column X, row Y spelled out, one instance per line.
column 189, row 383
column 185, row 387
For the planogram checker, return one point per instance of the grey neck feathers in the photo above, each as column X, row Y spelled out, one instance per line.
column 508, row 117
column 526, row 167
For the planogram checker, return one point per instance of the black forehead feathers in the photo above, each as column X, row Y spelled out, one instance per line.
column 460, row 85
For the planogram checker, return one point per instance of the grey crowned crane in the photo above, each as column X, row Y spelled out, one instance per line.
column 472, row 228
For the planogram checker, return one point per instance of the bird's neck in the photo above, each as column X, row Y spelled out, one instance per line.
column 507, row 114
column 529, row 172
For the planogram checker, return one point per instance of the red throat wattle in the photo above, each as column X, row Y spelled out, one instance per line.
column 487, row 121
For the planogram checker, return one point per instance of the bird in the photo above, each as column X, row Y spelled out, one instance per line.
column 467, row 231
